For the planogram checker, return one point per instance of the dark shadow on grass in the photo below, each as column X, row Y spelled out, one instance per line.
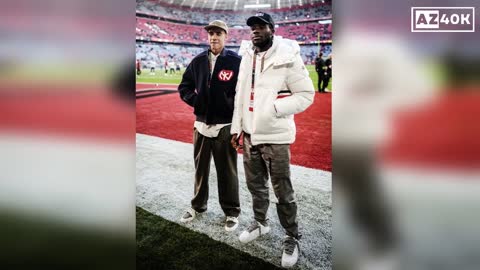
column 162, row 244
column 30, row 242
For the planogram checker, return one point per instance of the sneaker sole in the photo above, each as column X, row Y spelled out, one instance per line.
column 231, row 229
column 265, row 231
column 186, row 220
column 197, row 215
column 288, row 266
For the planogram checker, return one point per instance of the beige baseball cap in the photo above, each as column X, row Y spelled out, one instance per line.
column 217, row 24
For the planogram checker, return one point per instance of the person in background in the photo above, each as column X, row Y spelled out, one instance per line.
column 319, row 68
column 139, row 67
column 166, row 66
column 327, row 73
column 152, row 67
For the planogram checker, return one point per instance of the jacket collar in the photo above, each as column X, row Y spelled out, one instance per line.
column 271, row 50
column 222, row 53
column 276, row 41
column 278, row 54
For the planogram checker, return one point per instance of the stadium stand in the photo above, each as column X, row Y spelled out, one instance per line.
column 167, row 31
column 233, row 16
column 161, row 31
column 158, row 53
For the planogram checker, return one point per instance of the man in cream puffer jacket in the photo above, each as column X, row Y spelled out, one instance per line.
column 283, row 89
column 273, row 85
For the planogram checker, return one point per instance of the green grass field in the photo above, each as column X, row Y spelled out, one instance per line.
column 161, row 77
column 162, row 244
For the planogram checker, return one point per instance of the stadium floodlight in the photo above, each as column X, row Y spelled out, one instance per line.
column 325, row 22
column 257, row 6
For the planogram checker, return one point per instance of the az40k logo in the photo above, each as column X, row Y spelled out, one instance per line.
column 443, row 19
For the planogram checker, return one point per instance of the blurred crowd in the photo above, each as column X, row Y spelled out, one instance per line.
column 161, row 40
column 234, row 18
column 155, row 55
column 161, row 31
column 161, row 55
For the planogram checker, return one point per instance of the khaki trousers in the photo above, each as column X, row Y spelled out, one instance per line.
column 225, row 158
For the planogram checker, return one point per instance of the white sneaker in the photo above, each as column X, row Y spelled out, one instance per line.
column 189, row 215
column 290, row 252
column 231, row 223
column 253, row 232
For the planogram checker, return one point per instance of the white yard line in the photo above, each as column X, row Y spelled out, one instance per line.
column 71, row 180
column 165, row 186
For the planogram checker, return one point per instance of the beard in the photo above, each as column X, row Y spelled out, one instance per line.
column 264, row 43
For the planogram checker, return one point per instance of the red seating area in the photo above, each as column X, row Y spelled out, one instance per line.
column 304, row 33
column 187, row 14
column 155, row 30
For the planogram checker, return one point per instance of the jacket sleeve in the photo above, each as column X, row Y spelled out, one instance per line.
column 187, row 87
column 238, row 104
column 301, row 86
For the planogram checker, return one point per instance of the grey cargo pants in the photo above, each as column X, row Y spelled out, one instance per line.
column 274, row 159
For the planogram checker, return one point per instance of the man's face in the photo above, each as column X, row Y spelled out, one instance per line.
column 261, row 34
column 216, row 38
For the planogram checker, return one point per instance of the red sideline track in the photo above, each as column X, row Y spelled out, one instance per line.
column 442, row 134
column 94, row 114
column 167, row 116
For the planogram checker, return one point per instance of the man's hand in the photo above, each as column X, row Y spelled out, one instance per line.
column 236, row 141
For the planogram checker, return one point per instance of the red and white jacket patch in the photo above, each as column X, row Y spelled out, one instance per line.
column 225, row 75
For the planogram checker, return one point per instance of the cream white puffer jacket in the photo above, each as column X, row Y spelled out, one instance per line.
column 273, row 117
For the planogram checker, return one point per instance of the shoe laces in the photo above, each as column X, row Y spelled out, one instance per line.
column 253, row 226
column 289, row 244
